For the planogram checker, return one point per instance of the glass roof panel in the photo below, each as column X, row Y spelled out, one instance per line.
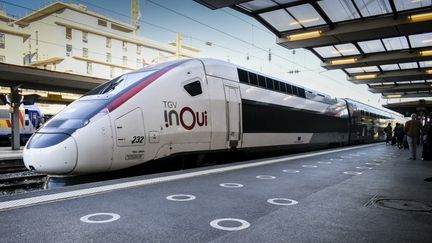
column 411, row 4
column 354, row 70
column 373, row 7
column 258, row 4
column 371, row 46
column 389, row 67
column 327, row 51
column 370, row 69
column 280, row 19
column 425, row 64
column 421, row 40
column 306, row 15
column 396, row 43
column 339, row 10
column 408, row 65
column 347, row 49
column 404, row 82
column 285, row 1
column 417, row 81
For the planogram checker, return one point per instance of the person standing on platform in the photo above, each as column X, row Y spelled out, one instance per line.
column 412, row 131
column 388, row 130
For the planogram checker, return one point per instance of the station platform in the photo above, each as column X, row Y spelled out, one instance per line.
column 6, row 153
column 369, row 193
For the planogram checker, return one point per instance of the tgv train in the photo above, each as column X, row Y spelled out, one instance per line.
column 194, row 105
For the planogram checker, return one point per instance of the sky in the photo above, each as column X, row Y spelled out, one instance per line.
column 233, row 36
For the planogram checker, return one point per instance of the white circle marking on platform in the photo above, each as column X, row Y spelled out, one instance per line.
column 324, row 162
column 353, row 173
column 231, row 185
column 364, row 168
column 181, row 197
column 309, row 166
column 266, row 177
column 291, row 171
column 243, row 224
column 86, row 218
column 368, row 163
column 288, row 202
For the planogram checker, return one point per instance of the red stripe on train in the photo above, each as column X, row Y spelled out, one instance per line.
column 129, row 94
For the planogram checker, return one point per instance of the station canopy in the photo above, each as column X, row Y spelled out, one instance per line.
column 386, row 44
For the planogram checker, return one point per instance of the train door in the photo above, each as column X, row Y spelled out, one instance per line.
column 130, row 129
column 233, row 101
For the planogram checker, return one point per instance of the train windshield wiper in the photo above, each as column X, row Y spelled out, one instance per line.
column 113, row 84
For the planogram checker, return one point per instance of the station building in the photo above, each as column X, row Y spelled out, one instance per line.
column 70, row 38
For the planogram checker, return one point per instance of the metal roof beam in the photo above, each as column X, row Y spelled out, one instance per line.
column 402, row 88
column 374, row 59
column 402, row 96
column 391, row 76
column 371, row 28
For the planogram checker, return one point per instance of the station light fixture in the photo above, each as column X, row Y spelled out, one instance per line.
column 429, row 71
column 343, row 61
column 426, row 53
column 365, row 76
column 393, row 96
column 305, row 35
column 420, row 17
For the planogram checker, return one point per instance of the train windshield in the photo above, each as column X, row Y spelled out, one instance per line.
column 76, row 115
column 120, row 83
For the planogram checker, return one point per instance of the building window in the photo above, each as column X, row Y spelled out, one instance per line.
column 124, row 46
column 85, row 52
column 102, row 23
column 108, row 42
column 124, row 60
column 37, row 37
column 89, row 68
column 108, row 57
column 2, row 59
column 138, row 50
column 112, row 72
column 2, row 41
column 85, row 37
column 68, row 50
column 68, row 33
column 138, row 63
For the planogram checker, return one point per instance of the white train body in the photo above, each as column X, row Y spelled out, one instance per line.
column 195, row 105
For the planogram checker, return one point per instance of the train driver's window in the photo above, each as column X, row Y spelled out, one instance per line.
column 193, row 88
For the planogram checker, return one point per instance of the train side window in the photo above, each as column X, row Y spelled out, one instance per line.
column 276, row 85
column 295, row 90
column 261, row 81
column 289, row 89
column 283, row 88
column 301, row 93
column 193, row 88
column 26, row 111
column 253, row 79
column 243, row 76
column 270, row 83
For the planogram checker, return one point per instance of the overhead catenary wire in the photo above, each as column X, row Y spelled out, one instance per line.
column 199, row 39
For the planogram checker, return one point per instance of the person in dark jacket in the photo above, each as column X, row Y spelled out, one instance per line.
column 389, row 131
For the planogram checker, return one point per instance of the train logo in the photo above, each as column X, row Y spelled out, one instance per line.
column 187, row 117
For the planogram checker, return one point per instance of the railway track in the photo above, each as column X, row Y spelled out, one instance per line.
column 15, row 178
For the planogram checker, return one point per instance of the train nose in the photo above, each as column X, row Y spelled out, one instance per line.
column 51, row 153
